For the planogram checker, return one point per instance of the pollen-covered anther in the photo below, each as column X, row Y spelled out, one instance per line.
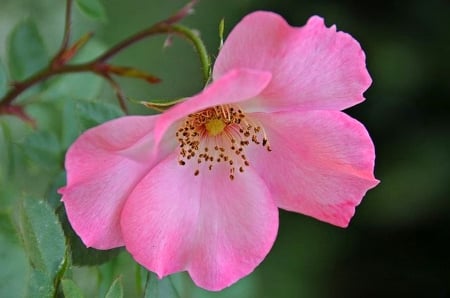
column 224, row 129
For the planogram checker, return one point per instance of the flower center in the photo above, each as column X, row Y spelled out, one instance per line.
column 215, row 126
column 219, row 135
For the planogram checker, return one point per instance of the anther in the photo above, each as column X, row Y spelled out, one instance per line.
column 227, row 132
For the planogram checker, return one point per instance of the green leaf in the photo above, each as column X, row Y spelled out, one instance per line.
column 26, row 52
column 92, row 8
column 95, row 113
column 43, row 148
column 81, row 255
column 39, row 285
column 158, row 104
column 221, row 30
column 52, row 196
column 160, row 288
column 44, row 244
column 70, row 289
column 13, row 269
column 3, row 80
column 6, row 159
column 116, row 289
column 71, row 127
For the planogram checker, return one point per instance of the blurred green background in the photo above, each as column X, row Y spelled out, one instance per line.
column 397, row 243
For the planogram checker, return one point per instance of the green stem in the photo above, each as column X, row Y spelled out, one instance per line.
column 197, row 42
column 138, row 279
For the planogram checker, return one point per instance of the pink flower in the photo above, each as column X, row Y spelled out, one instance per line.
column 198, row 187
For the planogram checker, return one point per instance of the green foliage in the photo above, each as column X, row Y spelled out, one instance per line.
column 160, row 288
column 92, row 8
column 81, row 115
column 44, row 245
column 85, row 86
column 3, row 79
column 95, row 113
column 44, row 149
column 80, row 254
column 26, row 51
column 70, row 289
column 13, row 260
column 39, row 285
column 116, row 289
column 6, row 152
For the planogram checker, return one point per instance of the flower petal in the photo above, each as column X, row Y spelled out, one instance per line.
column 313, row 67
column 321, row 163
column 103, row 166
column 234, row 86
column 217, row 229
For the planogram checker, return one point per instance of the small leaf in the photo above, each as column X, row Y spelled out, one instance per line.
column 221, row 30
column 26, row 52
column 160, row 288
column 116, row 289
column 158, row 104
column 3, row 80
column 92, row 8
column 43, row 239
column 70, row 289
column 132, row 72
column 43, row 148
column 95, row 113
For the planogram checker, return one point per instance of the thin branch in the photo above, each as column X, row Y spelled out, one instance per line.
column 119, row 93
column 67, row 30
column 98, row 65
column 19, row 87
column 67, row 25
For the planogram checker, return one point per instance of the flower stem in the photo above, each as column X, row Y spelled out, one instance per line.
column 199, row 46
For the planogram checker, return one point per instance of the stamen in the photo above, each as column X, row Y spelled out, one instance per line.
column 224, row 128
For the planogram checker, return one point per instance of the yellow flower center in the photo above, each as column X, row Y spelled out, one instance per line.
column 215, row 126
column 219, row 135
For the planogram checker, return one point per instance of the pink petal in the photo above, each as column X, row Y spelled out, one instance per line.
column 217, row 229
column 234, row 86
column 321, row 163
column 313, row 67
column 103, row 166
